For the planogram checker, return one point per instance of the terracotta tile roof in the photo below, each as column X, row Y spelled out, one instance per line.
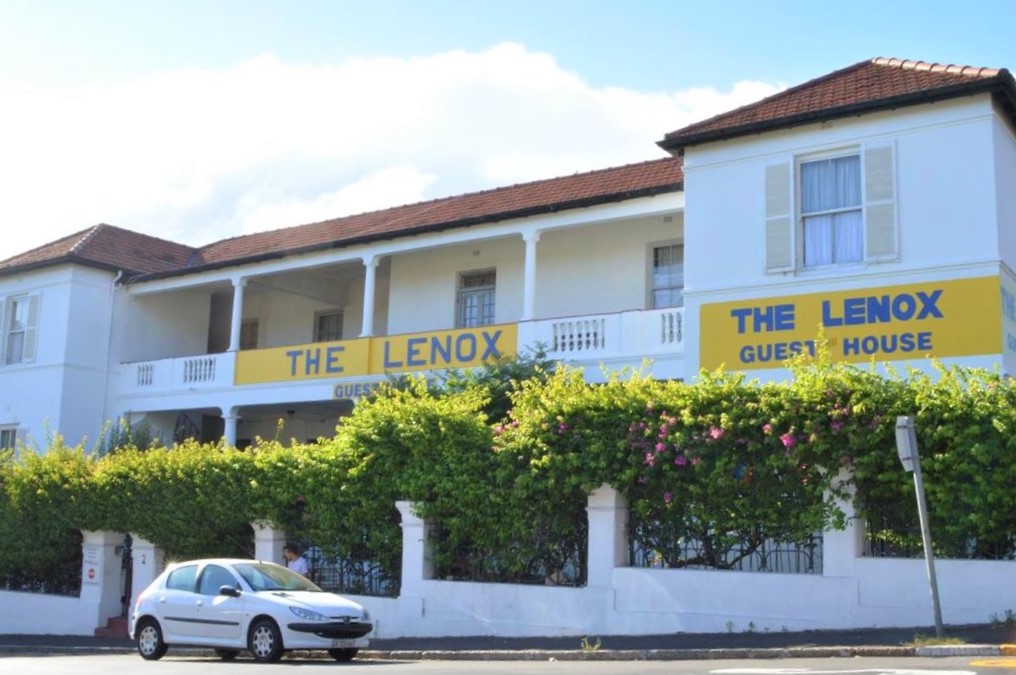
column 106, row 247
column 876, row 84
column 516, row 201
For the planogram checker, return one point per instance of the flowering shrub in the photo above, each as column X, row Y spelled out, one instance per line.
column 723, row 462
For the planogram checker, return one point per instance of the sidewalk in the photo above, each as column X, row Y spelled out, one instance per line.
column 980, row 640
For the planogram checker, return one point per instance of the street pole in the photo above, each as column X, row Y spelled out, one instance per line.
column 906, row 447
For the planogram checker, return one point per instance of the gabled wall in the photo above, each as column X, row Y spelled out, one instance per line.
column 947, row 214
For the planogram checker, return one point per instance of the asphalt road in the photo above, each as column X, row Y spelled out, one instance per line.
column 188, row 665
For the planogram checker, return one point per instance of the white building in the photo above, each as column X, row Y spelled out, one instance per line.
column 872, row 205
column 872, row 201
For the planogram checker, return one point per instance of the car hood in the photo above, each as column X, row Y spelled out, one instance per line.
column 325, row 603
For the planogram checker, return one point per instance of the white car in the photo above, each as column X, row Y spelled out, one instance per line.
column 231, row 605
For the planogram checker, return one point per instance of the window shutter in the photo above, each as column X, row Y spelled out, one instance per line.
column 32, row 329
column 4, row 313
column 779, row 219
column 881, row 237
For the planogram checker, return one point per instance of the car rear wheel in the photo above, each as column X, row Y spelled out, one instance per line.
column 150, row 644
column 265, row 641
column 226, row 654
column 343, row 654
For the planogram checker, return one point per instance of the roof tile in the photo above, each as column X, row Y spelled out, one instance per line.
column 878, row 83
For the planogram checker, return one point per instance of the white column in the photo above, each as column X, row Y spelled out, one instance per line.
column 529, row 277
column 842, row 548
column 231, row 418
column 607, row 511
column 369, row 275
column 100, row 574
column 417, row 561
column 268, row 543
column 234, row 330
column 148, row 561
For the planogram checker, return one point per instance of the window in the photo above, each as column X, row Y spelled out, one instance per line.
column 831, row 211
column 8, row 437
column 328, row 326
column 476, row 299
column 20, row 325
column 182, row 578
column 668, row 276
column 249, row 334
column 213, row 578
column 839, row 208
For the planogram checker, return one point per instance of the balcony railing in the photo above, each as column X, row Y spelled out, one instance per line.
column 623, row 336
column 180, row 374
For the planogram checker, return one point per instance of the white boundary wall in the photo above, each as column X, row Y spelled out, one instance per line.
column 852, row 591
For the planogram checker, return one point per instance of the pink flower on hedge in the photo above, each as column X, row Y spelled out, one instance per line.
column 715, row 433
column 650, row 459
column 661, row 447
column 788, row 440
column 499, row 429
column 767, row 428
column 680, row 460
column 667, row 497
column 836, row 426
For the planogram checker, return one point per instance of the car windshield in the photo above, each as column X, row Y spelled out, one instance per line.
column 262, row 577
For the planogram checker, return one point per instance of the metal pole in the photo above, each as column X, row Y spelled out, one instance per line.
column 922, row 513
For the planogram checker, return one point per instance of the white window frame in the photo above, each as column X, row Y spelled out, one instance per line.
column 651, row 280
column 8, row 436
column 784, row 222
column 802, row 217
column 464, row 293
column 328, row 313
column 29, row 333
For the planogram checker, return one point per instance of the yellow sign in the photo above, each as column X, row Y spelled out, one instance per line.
column 938, row 318
column 461, row 348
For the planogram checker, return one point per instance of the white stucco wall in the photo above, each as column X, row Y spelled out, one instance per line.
column 945, row 197
column 1005, row 179
column 164, row 325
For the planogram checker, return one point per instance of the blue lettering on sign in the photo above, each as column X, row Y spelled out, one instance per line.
column 1008, row 305
column 332, row 364
column 447, row 350
column 355, row 390
column 869, row 345
column 766, row 319
column 858, row 311
column 775, row 351
column 413, row 357
column 389, row 363
column 311, row 360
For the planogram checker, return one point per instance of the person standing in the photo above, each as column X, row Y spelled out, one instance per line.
column 294, row 560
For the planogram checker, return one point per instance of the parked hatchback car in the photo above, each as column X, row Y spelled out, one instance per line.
column 231, row 605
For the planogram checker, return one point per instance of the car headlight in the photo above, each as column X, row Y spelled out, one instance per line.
column 307, row 614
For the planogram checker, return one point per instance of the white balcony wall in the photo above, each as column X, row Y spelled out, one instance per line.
column 424, row 283
column 600, row 268
column 72, row 339
column 164, row 325
column 1005, row 196
column 945, row 191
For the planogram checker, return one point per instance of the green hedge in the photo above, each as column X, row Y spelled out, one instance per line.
column 721, row 461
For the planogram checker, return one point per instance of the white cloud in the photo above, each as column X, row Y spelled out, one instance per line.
column 200, row 155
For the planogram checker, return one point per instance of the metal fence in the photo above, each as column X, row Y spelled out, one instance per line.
column 759, row 555
column 361, row 576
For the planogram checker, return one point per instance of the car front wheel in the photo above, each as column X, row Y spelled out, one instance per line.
column 265, row 641
column 150, row 644
column 343, row 654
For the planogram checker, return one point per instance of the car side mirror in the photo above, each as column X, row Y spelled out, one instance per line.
column 231, row 591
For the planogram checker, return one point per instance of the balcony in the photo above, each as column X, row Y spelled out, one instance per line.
column 619, row 339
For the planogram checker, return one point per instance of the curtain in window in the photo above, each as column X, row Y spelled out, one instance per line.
column 832, row 185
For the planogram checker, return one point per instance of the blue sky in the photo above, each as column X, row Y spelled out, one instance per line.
column 202, row 120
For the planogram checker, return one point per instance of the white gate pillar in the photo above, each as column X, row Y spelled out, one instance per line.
column 607, row 511
column 148, row 561
column 100, row 573
column 417, row 561
column 268, row 543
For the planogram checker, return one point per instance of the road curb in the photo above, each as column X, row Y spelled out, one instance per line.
column 586, row 654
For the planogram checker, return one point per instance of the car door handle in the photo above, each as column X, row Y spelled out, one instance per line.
column 200, row 603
